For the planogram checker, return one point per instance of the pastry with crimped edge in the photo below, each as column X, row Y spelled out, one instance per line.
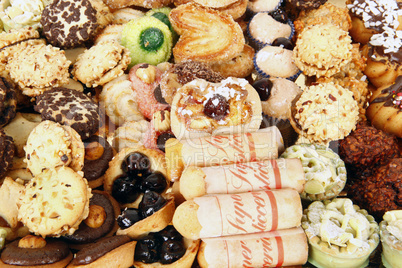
column 69, row 23
column 50, row 145
column 120, row 101
column 117, row 4
column 206, row 35
column 346, row 245
column 55, row 202
column 201, row 108
column 113, row 251
column 240, row 66
column 36, row 251
column 391, row 239
column 101, row 63
column 56, row 104
column 38, row 68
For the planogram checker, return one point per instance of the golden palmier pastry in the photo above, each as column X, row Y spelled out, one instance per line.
column 116, row 4
column 385, row 107
column 240, row 66
column 201, row 108
column 206, row 35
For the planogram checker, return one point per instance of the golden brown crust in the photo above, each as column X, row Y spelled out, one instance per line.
column 224, row 39
column 185, row 220
column 116, row 4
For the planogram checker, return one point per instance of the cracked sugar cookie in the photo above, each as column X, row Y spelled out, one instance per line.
column 55, row 202
column 50, row 145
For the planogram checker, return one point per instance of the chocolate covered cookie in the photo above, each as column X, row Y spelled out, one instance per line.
column 69, row 107
column 69, row 23
column 8, row 101
column 7, row 150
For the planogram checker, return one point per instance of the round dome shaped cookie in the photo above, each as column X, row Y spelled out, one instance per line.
column 69, row 23
column 50, row 145
column 55, row 202
column 69, row 107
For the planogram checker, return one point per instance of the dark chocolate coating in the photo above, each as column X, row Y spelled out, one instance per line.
column 93, row 169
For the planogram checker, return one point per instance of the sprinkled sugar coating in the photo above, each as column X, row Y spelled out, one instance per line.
column 325, row 112
column 322, row 50
column 69, row 23
column 38, row 68
column 55, row 105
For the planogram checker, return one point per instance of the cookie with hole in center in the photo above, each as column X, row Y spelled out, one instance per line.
column 69, row 107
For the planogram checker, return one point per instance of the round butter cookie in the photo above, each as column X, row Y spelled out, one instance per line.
column 69, row 23
column 69, row 107
column 101, row 63
column 55, row 202
column 50, row 145
column 38, row 68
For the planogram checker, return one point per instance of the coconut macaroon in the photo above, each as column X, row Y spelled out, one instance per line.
column 339, row 233
column 322, row 50
column 324, row 112
column 391, row 238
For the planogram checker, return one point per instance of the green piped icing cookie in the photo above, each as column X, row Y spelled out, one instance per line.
column 324, row 170
column 162, row 14
column 148, row 39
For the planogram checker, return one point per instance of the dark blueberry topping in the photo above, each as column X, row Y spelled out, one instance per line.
column 263, row 88
column 169, row 233
column 125, row 190
column 162, row 138
column 216, row 107
column 283, row 42
column 128, row 217
column 279, row 15
column 171, row 251
column 146, row 250
column 154, row 182
column 151, row 202
column 136, row 165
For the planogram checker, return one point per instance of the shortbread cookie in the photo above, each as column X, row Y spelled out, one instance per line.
column 56, row 105
column 10, row 192
column 8, row 101
column 50, row 145
column 104, row 15
column 7, row 151
column 69, row 23
column 38, row 68
column 206, row 35
column 20, row 128
column 101, row 63
column 120, row 101
column 55, row 202
column 110, row 32
column 201, row 108
column 124, row 15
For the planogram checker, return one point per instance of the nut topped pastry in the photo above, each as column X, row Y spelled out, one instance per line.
column 201, row 108
column 340, row 234
column 391, row 238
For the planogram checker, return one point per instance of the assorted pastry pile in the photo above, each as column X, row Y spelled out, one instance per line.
column 200, row 133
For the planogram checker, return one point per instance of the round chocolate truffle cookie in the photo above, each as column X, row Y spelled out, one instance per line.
column 69, row 23
column 69, row 107
column 7, row 150
column 8, row 101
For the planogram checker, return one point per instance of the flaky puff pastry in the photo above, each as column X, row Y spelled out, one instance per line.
column 116, row 4
column 206, row 35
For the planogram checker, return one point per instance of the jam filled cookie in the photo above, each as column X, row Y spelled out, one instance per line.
column 201, row 108
column 69, row 107
column 55, row 202
column 50, row 145
column 68, row 24
column 32, row 251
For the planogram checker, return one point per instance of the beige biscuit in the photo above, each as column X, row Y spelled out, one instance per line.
column 55, row 202
column 103, row 14
column 20, row 128
column 236, row 9
column 116, row 4
column 124, row 15
column 19, row 170
column 130, row 134
column 14, row 36
column 38, row 68
column 110, row 33
column 215, row 3
column 243, row 113
column 10, row 191
column 101, row 63
column 154, row 223
column 114, row 171
column 50, row 145
column 120, row 101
